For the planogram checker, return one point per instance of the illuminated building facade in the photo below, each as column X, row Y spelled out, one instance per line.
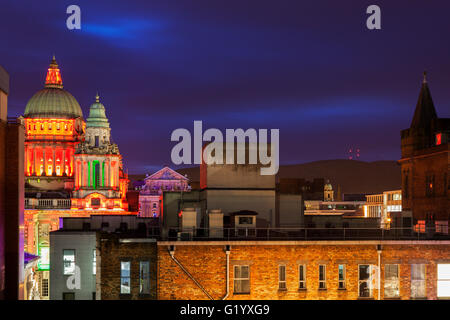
column 54, row 127
column 386, row 206
column 100, row 182
column 150, row 196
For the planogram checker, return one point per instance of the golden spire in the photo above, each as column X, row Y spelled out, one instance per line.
column 53, row 79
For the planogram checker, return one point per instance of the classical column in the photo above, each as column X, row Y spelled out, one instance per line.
column 27, row 168
column 54, row 162
column 34, row 161
column 63, row 161
column 44, row 160
column 110, row 174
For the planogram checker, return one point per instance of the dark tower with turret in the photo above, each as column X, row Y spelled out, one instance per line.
column 425, row 164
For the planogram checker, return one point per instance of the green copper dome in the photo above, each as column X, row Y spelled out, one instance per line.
column 53, row 102
column 97, row 116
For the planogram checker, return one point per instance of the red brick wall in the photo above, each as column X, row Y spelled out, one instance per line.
column 207, row 264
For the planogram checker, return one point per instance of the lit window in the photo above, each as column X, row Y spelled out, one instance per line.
column 438, row 139
column 322, row 276
column 282, row 277
column 241, row 279
column 144, row 277
column 443, row 280
column 418, row 288
column 341, row 270
column 302, row 276
column 391, row 281
column 420, row 226
column 364, row 285
column 69, row 261
column 125, row 277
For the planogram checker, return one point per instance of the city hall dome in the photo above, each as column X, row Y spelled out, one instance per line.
column 53, row 101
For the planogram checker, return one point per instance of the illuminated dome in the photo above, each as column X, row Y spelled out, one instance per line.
column 53, row 101
column 328, row 186
column 97, row 116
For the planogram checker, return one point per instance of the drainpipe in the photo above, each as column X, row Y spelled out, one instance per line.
column 379, row 271
column 227, row 251
column 172, row 255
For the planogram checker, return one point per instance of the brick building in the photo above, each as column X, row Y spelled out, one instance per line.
column 111, row 256
column 12, row 136
column 425, row 165
column 343, row 270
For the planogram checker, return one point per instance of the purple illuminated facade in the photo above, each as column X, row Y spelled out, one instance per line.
column 164, row 180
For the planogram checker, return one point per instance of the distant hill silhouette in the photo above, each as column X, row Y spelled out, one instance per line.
column 353, row 176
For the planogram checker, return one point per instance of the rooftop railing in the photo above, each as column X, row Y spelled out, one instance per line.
column 306, row 234
column 284, row 234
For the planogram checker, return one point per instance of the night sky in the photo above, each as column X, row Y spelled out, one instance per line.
column 309, row 68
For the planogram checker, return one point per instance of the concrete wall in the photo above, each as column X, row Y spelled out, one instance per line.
column 238, row 176
column 261, row 201
column 83, row 243
column 206, row 261
column 290, row 210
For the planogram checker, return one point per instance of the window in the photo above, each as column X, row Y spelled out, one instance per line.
column 438, row 138
column 144, row 277
column 322, row 277
column 391, row 281
column 125, row 278
column 429, row 191
column 94, row 261
column 420, row 226
column 341, row 271
column 44, row 287
column 95, row 202
column 418, row 289
column 302, row 276
column 443, row 280
column 442, row 226
column 241, row 279
column 154, row 205
column 364, row 285
column 245, row 220
column 96, row 141
column 68, row 296
column 69, row 261
column 282, row 277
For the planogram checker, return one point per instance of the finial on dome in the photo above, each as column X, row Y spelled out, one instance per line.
column 97, row 98
column 53, row 78
column 424, row 76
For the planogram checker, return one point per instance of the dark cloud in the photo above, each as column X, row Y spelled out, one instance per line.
column 309, row 68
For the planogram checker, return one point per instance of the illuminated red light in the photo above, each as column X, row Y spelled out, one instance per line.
column 438, row 139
